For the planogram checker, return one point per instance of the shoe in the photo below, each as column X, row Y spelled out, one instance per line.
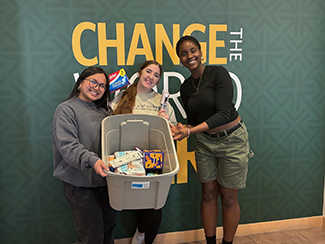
column 137, row 238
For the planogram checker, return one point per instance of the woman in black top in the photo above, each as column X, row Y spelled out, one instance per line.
column 222, row 147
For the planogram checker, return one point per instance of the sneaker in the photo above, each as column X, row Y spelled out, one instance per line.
column 137, row 238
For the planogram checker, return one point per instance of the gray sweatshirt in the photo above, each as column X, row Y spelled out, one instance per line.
column 76, row 142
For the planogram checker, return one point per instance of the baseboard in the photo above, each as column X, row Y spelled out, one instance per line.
column 281, row 225
column 243, row 230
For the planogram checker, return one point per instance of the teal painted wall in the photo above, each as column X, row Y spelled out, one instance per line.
column 282, row 74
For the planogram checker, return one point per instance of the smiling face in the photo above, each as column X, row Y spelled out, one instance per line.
column 148, row 78
column 190, row 55
column 89, row 91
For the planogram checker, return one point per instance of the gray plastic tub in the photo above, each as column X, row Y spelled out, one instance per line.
column 124, row 132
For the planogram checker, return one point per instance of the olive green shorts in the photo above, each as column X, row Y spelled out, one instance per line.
column 224, row 159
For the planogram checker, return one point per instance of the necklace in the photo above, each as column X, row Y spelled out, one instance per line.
column 198, row 85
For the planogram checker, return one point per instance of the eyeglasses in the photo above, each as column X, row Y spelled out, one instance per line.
column 94, row 83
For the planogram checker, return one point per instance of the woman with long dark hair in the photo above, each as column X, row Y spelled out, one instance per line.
column 76, row 156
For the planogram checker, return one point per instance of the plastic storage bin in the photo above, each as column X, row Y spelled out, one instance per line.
column 124, row 132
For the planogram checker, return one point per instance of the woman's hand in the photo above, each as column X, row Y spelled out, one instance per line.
column 179, row 132
column 174, row 128
column 162, row 113
column 183, row 132
column 99, row 168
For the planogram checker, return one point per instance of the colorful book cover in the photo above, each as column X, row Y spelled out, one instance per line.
column 153, row 159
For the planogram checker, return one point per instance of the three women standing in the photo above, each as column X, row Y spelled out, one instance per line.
column 222, row 147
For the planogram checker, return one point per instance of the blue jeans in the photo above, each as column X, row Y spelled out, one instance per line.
column 94, row 218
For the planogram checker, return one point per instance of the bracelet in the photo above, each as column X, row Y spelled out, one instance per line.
column 188, row 132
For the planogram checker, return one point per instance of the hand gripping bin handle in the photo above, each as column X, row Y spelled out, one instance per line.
column 124, row 132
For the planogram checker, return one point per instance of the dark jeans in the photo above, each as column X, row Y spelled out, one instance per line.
column 148, row 221
column 94, row 218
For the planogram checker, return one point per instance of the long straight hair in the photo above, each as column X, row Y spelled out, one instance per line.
column 127, row 102
column 92, row 70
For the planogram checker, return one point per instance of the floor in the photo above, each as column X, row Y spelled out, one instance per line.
column 308, row 236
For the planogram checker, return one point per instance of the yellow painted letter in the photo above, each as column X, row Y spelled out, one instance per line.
column 76, row 43
column 139, row 31
column 183, row 157
column 161, row 37
column 103, row 44
column 214, row 43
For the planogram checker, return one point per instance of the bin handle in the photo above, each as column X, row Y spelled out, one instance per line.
column 134, row 120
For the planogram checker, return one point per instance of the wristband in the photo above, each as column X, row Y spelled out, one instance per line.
column 188, row 132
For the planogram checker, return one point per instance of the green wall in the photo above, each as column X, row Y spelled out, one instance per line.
column 282, row 75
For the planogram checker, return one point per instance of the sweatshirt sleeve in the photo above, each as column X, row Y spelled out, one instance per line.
column 65, row 135
column 171, row 114
column 113, row 104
